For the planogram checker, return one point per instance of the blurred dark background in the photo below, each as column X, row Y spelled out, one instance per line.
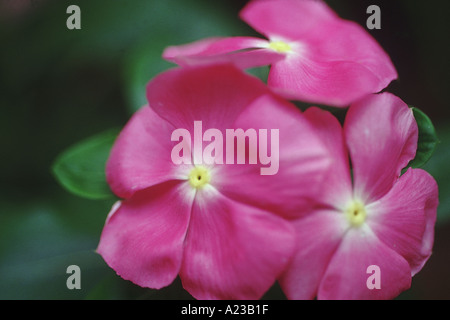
column 60, row 86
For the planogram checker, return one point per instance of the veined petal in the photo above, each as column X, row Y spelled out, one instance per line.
column 334, row 83
column 344, row 40
column 215, row 95
column 243, row 52
column 381, row 135
column 287, row 18
column 333, row 61
column 318, row 235
column 143, row 237
column 299, row 160
column 347, row 275
column 404, row 218
column 140, row 156
column 337, row 190
column 233, row 251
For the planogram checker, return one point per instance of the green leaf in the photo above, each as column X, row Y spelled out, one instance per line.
column 438, row 168
column 428, row 139
column 81, row 168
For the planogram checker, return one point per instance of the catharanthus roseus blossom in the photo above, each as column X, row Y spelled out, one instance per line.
column 382, row 218
column 315, row 55
column 219, row 227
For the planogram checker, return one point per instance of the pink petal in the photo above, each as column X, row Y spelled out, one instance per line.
column 143, row 238
column 335, row 61
column 381, row 135
column 334, row 83
column 337, row 190
column 140, row 156
column 215, row 95
column 347, row 274
column 404, row 218
column 233, row 251
column 244, row 52
column 317, row 237
column 287, row 18
column 303, row 161
column 348, row 41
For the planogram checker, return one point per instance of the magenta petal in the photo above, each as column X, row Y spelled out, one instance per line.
column 215, row 95
column 243, row 52
column 348, row 41
column 335, row 83
column 317, row 237
column 381, row 135
column 332, row 61
column 143, row 238
column 337, row 190
column 233, row 251
column 302, row 162
column 347, row 274
column 404, row 218
column 140, row 156
column 287, row 18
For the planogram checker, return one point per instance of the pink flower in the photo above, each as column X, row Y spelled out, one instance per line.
column 315, row 56
column 220, row 227
column 379, row 218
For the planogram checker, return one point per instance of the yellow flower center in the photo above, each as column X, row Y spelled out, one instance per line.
column 356, row 213
column 279, row 46
column 199, row 177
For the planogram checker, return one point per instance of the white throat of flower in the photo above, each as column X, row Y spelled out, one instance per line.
column 199, row 177
column 279, row 46
column 287, row 47
column 356, row 213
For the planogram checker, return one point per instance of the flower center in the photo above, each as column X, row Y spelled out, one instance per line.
column 356, row 213
column 199, row 177
column 279, row 46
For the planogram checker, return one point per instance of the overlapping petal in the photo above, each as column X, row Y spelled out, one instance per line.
column 140, row 157
column 344, row 40
column 244, row 52
column 232, row 250
column 404, row 218
column 300, row 158
column 211, row 94
column 381, row 134
column 143, row 238
column 288, row 18
column 337, row 190
column 334, row 82
column 347, row 273
column 318, row 235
